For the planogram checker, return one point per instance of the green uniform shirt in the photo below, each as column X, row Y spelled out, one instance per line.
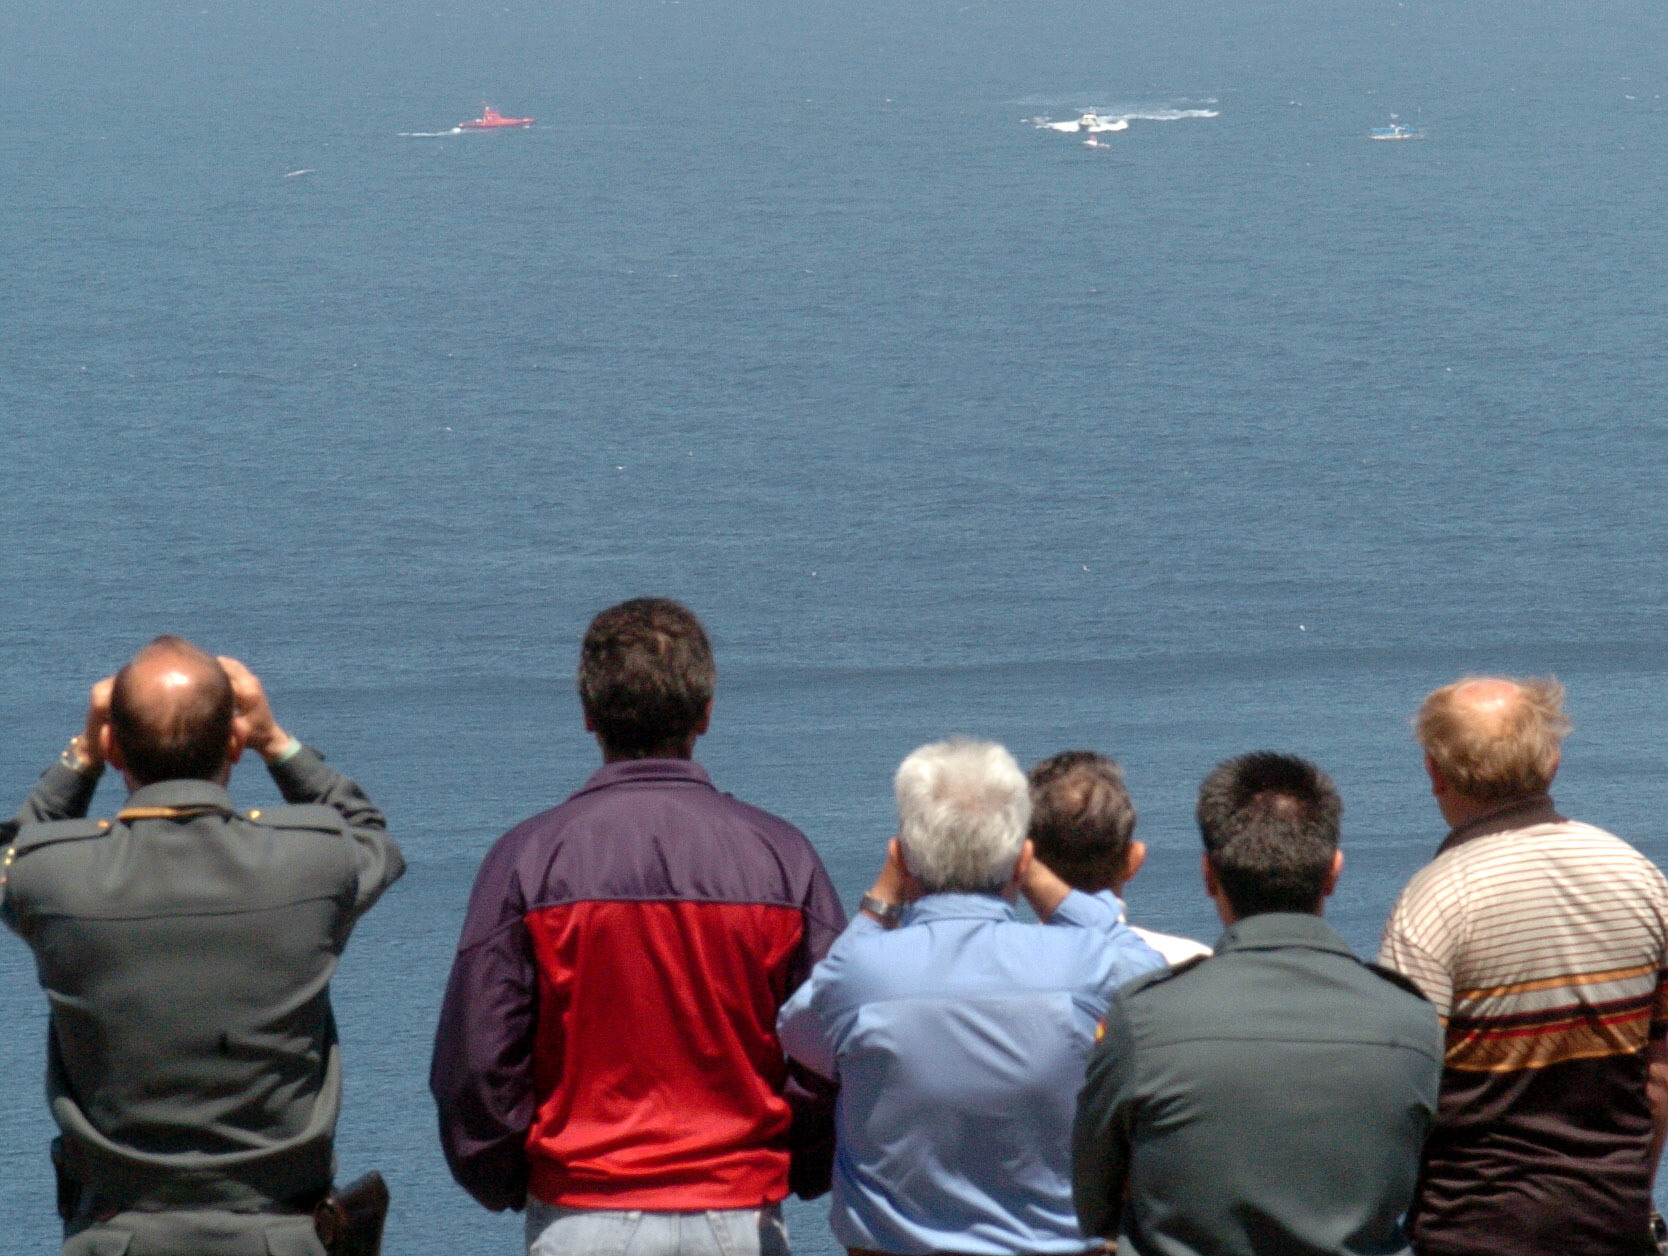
column 1271, row 1100
column 186, row 950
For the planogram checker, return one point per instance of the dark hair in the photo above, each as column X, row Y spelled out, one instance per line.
column 1082, row 818
column 1270, row 826
column 184, row 738
column 646, row 677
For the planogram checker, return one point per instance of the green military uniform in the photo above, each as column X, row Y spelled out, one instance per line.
column 186, row 950
column 1270, row 1100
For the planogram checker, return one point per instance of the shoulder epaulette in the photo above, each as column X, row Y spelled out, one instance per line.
column 50, row 832
column 1396, row 979
column 308, row 815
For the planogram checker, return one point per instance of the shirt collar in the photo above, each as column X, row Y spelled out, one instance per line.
column 957, row 907
column 182, row 793
column 647, row 772
column 1519, row 813
column 1271, row 929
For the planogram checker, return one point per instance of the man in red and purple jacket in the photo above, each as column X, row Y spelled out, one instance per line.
column 607, row 1053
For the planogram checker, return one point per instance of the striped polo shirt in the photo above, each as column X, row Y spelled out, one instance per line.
column 1543, row 944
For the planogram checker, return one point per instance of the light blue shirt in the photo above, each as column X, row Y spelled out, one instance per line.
column 959, row 1040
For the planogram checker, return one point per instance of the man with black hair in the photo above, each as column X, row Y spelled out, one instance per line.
column 1271, row 1099
column 1083, row 826
column 607, row 1054
column 187, row 949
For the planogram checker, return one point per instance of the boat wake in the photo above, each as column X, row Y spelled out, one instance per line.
column 429, row 135
column 1097, row 122
column 1090, row 122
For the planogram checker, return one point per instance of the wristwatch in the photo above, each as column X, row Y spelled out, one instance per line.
column 887, row 913
column 77, row 760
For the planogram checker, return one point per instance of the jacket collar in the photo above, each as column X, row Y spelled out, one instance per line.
column 183, row 793
column 1272, row 929
column 1519, row 813
column 957, row 907
column 647, row 772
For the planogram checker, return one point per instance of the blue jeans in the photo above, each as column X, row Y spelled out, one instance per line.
column 554, row 1231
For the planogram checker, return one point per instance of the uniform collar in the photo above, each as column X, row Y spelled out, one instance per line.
column 957, row 907
column 647, row 772
column 1271, row 929
column 182, row 793
column 1519, row 813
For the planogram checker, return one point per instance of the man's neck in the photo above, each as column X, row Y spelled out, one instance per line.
column 1460, row 810
column 681, row 750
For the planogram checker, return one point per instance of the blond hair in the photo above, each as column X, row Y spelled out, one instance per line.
column 1508, row 749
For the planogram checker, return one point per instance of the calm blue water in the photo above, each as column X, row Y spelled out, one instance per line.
column 1240, row 431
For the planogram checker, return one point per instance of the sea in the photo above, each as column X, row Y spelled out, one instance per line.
column 1233, row 430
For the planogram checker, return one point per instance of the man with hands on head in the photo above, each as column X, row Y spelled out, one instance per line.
column 958, row 1033
column 1083, row 828
column 186, row 948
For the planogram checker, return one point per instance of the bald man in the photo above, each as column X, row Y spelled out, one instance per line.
column 186, row 949
column 1543, row 943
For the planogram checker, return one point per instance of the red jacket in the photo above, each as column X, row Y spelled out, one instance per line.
column 608, row 1038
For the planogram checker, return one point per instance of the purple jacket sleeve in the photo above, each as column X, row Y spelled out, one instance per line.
column 482, row 1073
column 811, row 1138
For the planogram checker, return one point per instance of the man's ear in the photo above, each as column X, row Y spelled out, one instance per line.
column 108, row 750
column 235, row 745
column 1224, row 909
column 1212, row 886
column 1133, row 860
column 705, row 722
column 1439, row 783
column 1022, row 865
column 1332, row 874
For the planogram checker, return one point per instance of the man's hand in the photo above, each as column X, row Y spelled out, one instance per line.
column 254, row 715
column 1043, row 889
column 894, row 886
column 90, row 744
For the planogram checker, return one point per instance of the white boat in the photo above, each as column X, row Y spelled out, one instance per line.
column 1397, row 131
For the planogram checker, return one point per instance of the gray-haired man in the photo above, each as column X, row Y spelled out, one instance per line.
column 958, row 1033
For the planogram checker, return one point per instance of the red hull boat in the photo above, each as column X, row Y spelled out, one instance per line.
column 491, row 120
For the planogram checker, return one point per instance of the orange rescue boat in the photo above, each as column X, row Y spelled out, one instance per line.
column 491, row 120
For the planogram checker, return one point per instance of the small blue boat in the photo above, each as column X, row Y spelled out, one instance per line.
column 1397, row 131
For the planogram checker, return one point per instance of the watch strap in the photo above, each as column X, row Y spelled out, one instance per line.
column 887, row 913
